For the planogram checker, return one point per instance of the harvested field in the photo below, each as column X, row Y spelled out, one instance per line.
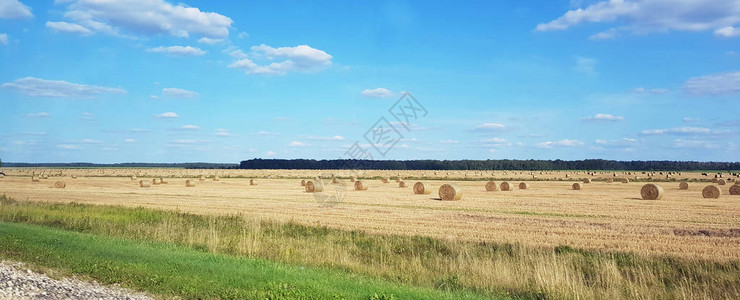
column 547, row 214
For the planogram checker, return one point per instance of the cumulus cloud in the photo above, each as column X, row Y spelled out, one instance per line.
column 147, row 17
column 713, row 85
column 179, row 93
column 489, row 127
column 190, row 127
column 377, row 93
column 210, row 41
column 68, row 28
column 646, row 16
column 654, row 91
column 677, row 131
column 301, row 58
column 36, row 87
column 178, row 50
column 563, row 143
column 222, row 132
column 602, row 117
column 167, row 115
column 3, row 39
column 14, row 9
column 68, row 147
column 728, row 31
column 37, row 115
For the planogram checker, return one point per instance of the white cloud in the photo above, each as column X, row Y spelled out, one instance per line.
column 190, row 127
column 14, row 9
column 301, row 58
column 68, row 28
column 222, row 132
column 728, row 31
column 178, row 50
column 270, row 153
column 655, row 91
column 210, row 41
column 3, row 39
column 87, row 116
column 625, row 142
column 338, row 138
column 38, row 115
column 585, row 65
column 91, row 141
column 325, row 138
column 36, row 87
column 489, row 127
column 142, row 130
column 129, row 140
column 185, row 142
column 678, row 131
column 563, row 143
column 179, row 93
column 147, row 17
column 167, row 115
column 690, row 120
column 377, row 93
column 602, row 117
column 694, row 144
column 68, row 147
column 296, row 144
column 449, row 142
column 648, row 16
column 713, row 85
column 494, row 143
column 235, row 52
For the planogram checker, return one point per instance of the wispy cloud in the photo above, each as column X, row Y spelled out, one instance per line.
column 377, row 93
column 167, row 115
column 36, row 87
column 602, row 117
column 37, row 115
column 713, row 85
column 562, row 143
column 178, row 50
column 677, row 131
column 179, row 93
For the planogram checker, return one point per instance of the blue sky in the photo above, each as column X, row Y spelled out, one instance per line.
column 221, row 81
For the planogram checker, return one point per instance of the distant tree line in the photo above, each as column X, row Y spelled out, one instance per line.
column 503, row 164
column 195, row 165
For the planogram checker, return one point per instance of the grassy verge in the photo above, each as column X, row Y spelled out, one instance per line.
column 445, row 265
column 179, row 271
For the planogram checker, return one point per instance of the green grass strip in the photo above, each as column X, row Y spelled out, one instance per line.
column 168, row 270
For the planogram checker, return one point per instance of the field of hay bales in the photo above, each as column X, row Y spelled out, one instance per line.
column 605, row 214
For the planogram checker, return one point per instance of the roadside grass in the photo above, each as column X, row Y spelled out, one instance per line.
column 168, row 270
column 491, row 269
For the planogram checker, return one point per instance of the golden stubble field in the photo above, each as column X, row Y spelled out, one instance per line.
column 605, row 216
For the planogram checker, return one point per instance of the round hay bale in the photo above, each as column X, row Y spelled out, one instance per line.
column 60, row 185
column 156, row 181
column 625, row 180
column 715, row 180
column 386, row 180
column 651, row 192
column 359, row 186
column 683, row 185
column 402, row 184
column 303, row 182
column 586, row 180
column 721, row 182
column 143, row 184
column 202, row 178
column 609, row 180
column 352, row 179
column 710, row 191
column 133, row 178
column 161, row 180
column 576, row 186
column 450, row 192
column 335, row 181
column 74, row 176
column 251, row 182
column 735, row 189
column 189, row 183
column 523, row 185
column 505, row 186
column 314, row 186
column 34, row 179
column 216, row 178
column 491, row 186
column 421, row 188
